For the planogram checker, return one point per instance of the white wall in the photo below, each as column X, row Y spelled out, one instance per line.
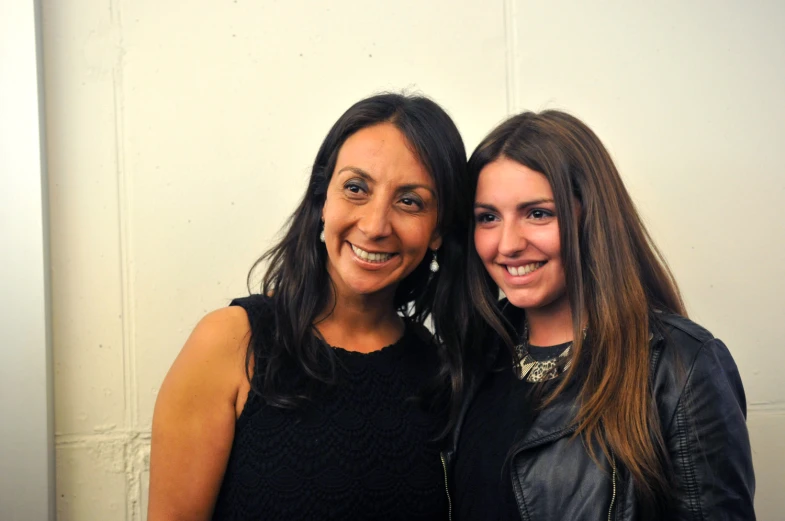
column 26, row 419
column 180, row 137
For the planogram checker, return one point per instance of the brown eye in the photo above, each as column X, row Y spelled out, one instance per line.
column 354, row 187
column 484, row 218
column 412, row 202
column 540, row 214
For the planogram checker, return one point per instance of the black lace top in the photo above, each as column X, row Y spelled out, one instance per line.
column 361, row 450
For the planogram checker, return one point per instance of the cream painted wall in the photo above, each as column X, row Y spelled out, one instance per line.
column 180, row 136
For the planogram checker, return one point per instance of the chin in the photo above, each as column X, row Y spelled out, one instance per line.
column 523, row 299
column 521, row 303
column 367, row 289
column 535, row 302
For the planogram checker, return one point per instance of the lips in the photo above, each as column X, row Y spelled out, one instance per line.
column 373, row 257
column 525, row 269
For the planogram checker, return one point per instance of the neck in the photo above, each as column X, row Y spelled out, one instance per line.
column 550, row 326
column 360, row 322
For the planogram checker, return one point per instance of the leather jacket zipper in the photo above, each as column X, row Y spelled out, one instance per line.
column 446, row 487
column 613, row 497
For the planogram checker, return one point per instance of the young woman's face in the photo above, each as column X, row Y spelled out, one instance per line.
column 516, row 234
column 380, row 213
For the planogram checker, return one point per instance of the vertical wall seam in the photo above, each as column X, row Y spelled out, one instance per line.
column 124, row 197
column 511, row 53
column 122, row 223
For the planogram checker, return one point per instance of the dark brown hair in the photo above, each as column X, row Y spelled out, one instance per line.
column 288, row 348
column 615, row 277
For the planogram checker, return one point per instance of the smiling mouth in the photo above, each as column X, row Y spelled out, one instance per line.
column 371, row 257
column 518, row 271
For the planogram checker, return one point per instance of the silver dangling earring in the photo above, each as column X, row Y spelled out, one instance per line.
column 434, row 263
column 321, row 235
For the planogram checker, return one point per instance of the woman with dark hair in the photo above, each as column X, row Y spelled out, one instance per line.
column 320, row 397
column 602, row 400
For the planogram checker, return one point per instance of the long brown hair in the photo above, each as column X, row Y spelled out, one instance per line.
column 616, row 279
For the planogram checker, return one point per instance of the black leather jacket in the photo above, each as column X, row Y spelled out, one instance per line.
column 702, row 410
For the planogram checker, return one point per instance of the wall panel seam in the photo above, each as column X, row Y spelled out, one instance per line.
column 775, row 407
column 91, row 440
column 126, row 246
column 124, row 195
column 511, row 53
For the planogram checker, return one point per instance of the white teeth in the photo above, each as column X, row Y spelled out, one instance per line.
column 370, row 257
column 523, row 270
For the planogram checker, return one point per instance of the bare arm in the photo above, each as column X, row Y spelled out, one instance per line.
column 194, row 418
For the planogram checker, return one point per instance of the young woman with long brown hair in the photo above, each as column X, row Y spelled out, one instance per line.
column 602, row 400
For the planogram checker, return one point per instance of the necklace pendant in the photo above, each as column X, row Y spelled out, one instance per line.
column 524, row 367
column 528, row 369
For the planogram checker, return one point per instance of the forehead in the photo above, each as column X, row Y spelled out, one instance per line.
column 383, row 152
column 505, row 180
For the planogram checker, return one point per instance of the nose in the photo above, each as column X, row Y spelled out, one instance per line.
column 512, row 241
column 374, row 220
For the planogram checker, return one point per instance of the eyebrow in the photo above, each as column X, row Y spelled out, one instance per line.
column 519, row 207
column 368, row 177
column 359, row 171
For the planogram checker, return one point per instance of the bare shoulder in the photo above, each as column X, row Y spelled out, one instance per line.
column 220, row 333
column 194, row 418
column 213, row 358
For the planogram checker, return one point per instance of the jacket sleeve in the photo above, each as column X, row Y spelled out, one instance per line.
column 708, row 441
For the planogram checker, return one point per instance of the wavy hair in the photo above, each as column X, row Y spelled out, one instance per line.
column 615, row 278
column 297, row 283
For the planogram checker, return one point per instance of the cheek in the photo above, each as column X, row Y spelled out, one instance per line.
column 554, row 245
column 326, row 211
column 485, row 244
column 546, row 240
column 333, row 215
column 416, row 236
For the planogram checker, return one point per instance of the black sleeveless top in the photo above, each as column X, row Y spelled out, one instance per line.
column 360, row 450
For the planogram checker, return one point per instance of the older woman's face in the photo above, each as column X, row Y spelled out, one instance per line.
column 516, row 234
column 380, row 212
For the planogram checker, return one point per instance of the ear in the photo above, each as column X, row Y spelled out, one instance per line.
column 436, row 241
